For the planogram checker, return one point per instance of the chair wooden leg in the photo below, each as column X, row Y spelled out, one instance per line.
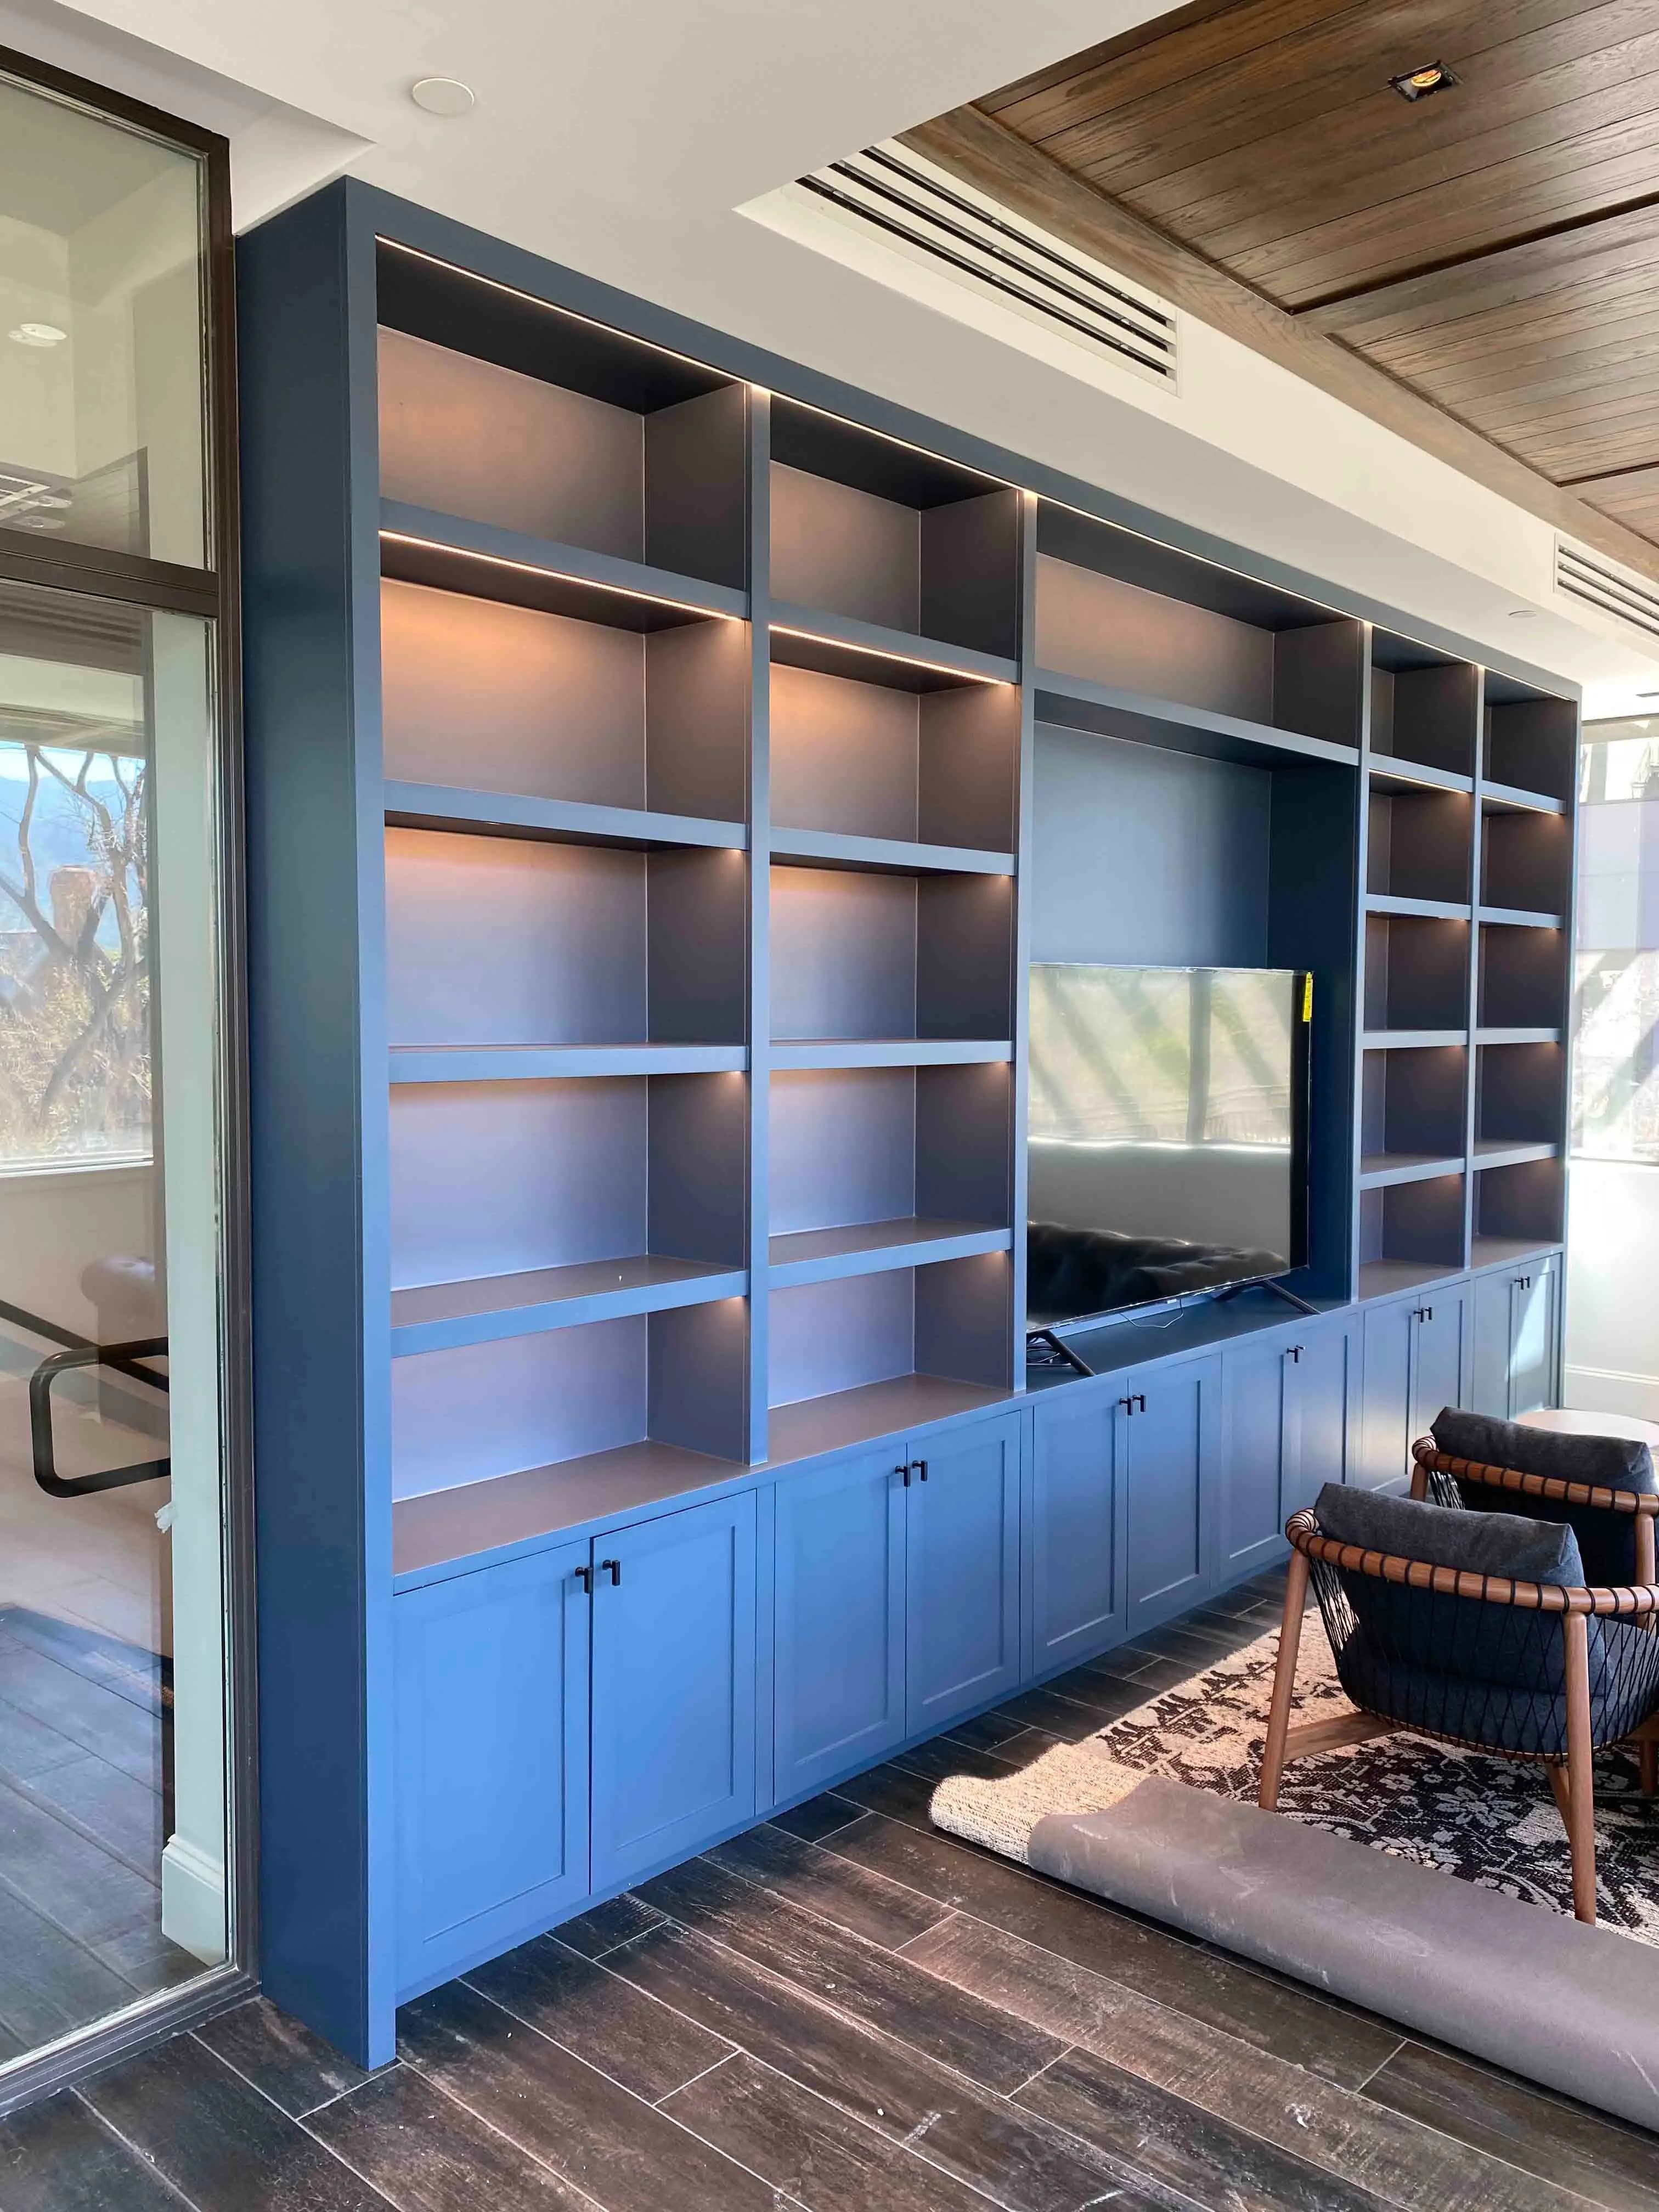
column 1580, row 1777
column 1420, row 1481
column 1647, row 1763
column 1644, row 1551
column 1278, row 1716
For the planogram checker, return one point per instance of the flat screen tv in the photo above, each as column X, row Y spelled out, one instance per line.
column 1167, row 1136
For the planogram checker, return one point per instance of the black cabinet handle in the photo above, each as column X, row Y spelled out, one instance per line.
column 920, row 1467
column 1136, row 1402
column 905, row 1472
column 1294, row 1352
column 614, row 1568
column 1141, row 1402
column 1424, row 1313
column 1128, row 1404
column 584, row 1576
column 1524, row 1282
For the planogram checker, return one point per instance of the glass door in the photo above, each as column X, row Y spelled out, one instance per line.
column 119, row 1331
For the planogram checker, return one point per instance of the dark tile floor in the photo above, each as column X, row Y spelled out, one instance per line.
column 844, row 2011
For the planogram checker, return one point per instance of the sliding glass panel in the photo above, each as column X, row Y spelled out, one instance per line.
column 101, row 394
column 112, row 1802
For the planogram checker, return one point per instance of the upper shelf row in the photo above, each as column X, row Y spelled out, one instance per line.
column 531, row 458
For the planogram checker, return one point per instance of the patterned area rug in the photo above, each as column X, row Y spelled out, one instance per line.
column 1488, row 1821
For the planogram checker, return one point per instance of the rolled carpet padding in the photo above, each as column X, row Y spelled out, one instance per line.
column 1572, row 2006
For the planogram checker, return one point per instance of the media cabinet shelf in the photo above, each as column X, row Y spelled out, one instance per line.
column 534, row 1063
column 1381, row 1170
column 438, row 806
column 869, row 653
column 830, row 848
column 887, row 1052
column 440, row 1317
column 1500, row 1152
column 1078, row 702
column 733, row 749
column 479, row 561
column 869, row 1247
column 1429, row 910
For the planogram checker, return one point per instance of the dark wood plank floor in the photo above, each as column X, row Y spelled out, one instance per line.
column 845, row 2011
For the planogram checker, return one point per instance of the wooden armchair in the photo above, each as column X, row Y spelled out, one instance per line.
column 1550, row 1671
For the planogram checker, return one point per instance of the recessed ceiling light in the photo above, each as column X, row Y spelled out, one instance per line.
column 442, row 95
column 1418, row 84
column 37, row 334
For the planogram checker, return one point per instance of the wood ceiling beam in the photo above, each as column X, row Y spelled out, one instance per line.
column 983, row 153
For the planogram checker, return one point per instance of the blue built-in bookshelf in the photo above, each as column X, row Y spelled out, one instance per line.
column 663, row 763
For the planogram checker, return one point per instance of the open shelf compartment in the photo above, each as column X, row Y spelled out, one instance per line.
column 1529, row 740
column 1414, row 1113
column 515, row 700
column 498, row 942
column 868, row 760
column 1526, row 860
column 1410, row 1232
column 1523, row 976
column 1519, row 1208
column 873, row 530
column 1416, row 972
column 1520, row 1098
column 499, row 409
column 857, row 955
column 1419, row 845
column 1118, row 611
column 525, row 1207
column 867, row 1165
column 1425, row 707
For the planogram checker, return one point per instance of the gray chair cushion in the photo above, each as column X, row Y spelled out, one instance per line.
column 1617, row 1462
column 1453, row 1665
column 1511, row 1544
column 1607, row 1540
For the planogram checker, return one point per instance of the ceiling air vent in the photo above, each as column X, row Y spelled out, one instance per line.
column 925, row 213
column 1602, row 583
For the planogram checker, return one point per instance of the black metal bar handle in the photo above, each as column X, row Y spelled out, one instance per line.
column 1128, row 1404
column 920, row 1467
column 1294, row 1352
column 1141, row 1402
column 905, row 1472
column 613, row 1567
column 123, row 1358
column 584, row 1576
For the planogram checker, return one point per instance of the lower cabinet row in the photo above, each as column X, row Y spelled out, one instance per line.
column 576, row 1719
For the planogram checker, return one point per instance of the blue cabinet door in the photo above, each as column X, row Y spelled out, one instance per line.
column 1386, row 1397
column 1439, row 1358
column 673, row 1686
column 1535, row 1340
column 1322, row 1381
column 1076, row 1581
column 1492, row 1347
column 1260, row 1386
column 961, row 1571
column 838, row 1614
column 491, row 1760
column 1171, row 1449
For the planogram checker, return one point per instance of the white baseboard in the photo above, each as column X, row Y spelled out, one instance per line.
column 1604, row 1390
column 193, row 1900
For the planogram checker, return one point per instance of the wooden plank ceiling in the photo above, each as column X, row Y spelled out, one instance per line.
column 1494, row 247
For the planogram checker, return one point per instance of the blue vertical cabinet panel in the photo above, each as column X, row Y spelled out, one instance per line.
column 838, row 1613
column 1171, row 1445
column 1415, row 1353
column 492, row 1759
column 1491, row 1342
column 1076, row 1577
column 1535, row 1337
column 962, row 1571
column 1322, row 1382
column 1438, row 1366
column 1260, row 1379
column 673, row 1687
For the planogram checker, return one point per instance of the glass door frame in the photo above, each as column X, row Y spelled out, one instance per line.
column 212, row 593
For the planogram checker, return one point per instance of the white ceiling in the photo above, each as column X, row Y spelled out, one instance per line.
column 622, row 138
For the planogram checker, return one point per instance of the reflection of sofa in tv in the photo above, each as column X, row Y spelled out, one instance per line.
column 1085, row 1271
column 1117, row 1224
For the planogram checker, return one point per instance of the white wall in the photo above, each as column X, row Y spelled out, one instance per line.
column 1613, row 1288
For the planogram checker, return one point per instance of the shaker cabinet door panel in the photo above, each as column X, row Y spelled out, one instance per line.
column 1171, row 1446
column 1077, row 1536
column 838, row 1609
column 491, row 1759
column 961, row 1571
column 673, row 1686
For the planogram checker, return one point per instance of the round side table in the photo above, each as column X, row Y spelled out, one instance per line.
column 1576, row 1423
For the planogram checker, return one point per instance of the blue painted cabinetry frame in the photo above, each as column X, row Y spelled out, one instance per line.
column 492, row 1776
column 1514, row 1362
column 1415, row 1350
column 1170, row 1442
column 1287, row 1420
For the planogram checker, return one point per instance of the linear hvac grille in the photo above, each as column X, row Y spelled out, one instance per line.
column 1615, row 591
column 991, row 249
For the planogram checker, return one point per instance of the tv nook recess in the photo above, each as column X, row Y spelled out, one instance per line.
column 667, row 770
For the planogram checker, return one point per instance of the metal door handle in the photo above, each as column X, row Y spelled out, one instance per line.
column 1424, row 1313
column 905, row 1472
column 584, row 1576
column 614, row 1568
column 920, row 1467
column 1294, row 1352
